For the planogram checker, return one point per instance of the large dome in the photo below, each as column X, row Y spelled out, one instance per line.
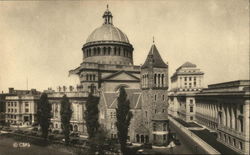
column 107, row 32
column 108, row 44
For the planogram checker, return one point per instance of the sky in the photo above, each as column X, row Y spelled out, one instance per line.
column 40, row 41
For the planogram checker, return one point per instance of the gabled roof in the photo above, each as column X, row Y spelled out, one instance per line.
column 123, row 76
column 133, row 95
column 154, row 58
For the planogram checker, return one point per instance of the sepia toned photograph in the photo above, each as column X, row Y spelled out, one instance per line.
column 124, row 77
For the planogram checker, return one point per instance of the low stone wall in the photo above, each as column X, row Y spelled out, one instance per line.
column 195, row 143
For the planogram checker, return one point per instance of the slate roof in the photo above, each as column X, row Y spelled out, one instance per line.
column 154, row 57
column 133, row 95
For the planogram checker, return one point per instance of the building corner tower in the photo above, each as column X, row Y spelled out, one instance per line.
column 154, row 85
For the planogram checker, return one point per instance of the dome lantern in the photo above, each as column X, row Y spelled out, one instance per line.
column 107, row 16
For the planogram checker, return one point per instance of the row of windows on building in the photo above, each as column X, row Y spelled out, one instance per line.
column 117, row 51
column 231, row 141
column 159, row 80
column 90, row 77
column 14, row 104
column 11, row 110
column 190, row 78
column 11, row 116
column 191, row 83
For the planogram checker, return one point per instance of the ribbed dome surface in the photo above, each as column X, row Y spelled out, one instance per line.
column 107, row 32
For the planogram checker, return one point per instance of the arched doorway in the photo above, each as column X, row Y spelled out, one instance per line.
column 142, row 138
column 137, row 138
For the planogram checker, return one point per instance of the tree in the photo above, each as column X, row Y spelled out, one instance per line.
column 123, row 116
column 44, row 114
column 66, row 114
column 91, row 116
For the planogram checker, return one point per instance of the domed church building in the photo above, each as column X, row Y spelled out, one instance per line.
column 108, row 65
column 107, row 59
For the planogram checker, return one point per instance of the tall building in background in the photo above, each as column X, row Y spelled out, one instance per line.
column 185, row 82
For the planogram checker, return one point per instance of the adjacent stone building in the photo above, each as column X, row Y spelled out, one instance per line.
column 21, row 107
column 77, row 98
column 185, row 82
column 225, row 108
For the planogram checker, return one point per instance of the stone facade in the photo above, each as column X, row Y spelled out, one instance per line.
column 148, row 103
column 21, row 108
column 186, row 81
column 225, row 108
column 77, row 99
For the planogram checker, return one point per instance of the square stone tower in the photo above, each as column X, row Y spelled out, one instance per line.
column 154, row 85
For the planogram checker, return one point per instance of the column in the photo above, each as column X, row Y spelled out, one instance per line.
column 156, row 78
column 228, row 117
column 101, row 50
column 233, row 117
column 223, row 116
column 246, row 114
column 112, row 52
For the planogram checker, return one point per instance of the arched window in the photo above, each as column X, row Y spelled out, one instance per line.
column 114, row 50
column 162, row 80
column 94, row 77
column 89, row 52
column 119, row 51
column 104, row 50
column 109, row 49
column 155, row 79
column 75, row 128
column 98, row 50
column 87, row 77
column 142, row 138
column 159, row 80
